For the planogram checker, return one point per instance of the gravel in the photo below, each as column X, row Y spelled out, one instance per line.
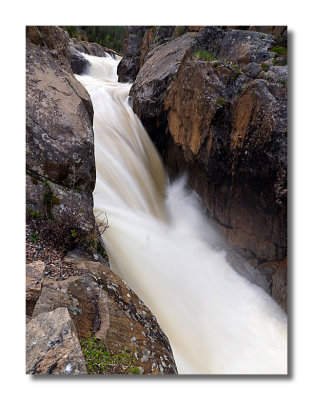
column 38, row 249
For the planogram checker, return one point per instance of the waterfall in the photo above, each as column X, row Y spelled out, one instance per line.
column 159, row 242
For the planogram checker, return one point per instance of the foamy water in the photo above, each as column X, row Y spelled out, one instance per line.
column 160, row 243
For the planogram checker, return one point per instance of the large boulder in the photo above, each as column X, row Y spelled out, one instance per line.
column 154, row 77
column 100, row 303
column 52, row 345
column 60, row 161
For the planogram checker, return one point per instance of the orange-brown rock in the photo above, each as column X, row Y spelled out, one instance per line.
column 99, row 302
column 219, row 112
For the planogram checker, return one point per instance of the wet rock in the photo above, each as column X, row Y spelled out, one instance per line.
column 93, row 49
column 223, row 119
column 79, row 63
column 128, row 68
column 52, row 345
column 34, row 276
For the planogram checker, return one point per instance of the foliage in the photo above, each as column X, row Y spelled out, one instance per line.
column 236, row 70
column 279, row 51
column 265, row 67
column 107, row 36
column 280, row 61
column 65, row 232
column 35, row 237
column 203, row 55
column 100, row 361
column 221, row 101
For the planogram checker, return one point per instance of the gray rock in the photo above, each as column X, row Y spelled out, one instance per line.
column 52, row 345
column 243, row 47
column 34, row 276
column 59, row 115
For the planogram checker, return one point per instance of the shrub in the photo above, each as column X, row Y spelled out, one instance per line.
column 64, row 232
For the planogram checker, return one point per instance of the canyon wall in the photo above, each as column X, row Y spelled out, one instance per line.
column 214, row 101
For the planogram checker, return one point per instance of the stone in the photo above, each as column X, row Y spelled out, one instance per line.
column 79, row 63
column 242, row 47
column 224, row 122
column 52, row 345
column 34, row 276
column 129, row 65
column 59, row 116
column 153, row 79
column 100, row 303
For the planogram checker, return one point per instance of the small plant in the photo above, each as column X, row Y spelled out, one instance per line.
column 203, row 55
column 280, row 62
column 100, row 361
column 35, row 214
column 216, row 64
column 279, row 51
column 34, row 237
column 265, row 67
column 221, row 101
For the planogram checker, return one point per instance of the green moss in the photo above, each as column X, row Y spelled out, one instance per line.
column 280, row 62
column 265, row 67
column 35, row 214
column 100, row 361
column 279, row 51
column 216, row 64
column 203, row 55
column 221, row 101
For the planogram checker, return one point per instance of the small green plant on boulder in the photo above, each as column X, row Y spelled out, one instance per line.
column 203, row 56
column 221, row 101
column 265, row 67
column 100, row 361
column 280, row 51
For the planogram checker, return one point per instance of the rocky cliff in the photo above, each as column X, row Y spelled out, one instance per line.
column 214, row 101
column 73, row 302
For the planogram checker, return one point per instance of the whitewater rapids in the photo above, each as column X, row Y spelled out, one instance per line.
column 159, row 242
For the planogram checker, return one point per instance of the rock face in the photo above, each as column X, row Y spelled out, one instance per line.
column 214, row 101
column 99, row 302
column 60, row 179
column 59, row 135
column 52, row 345
column 79, row 63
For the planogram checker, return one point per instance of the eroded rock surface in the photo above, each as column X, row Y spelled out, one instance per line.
column 214, row 101
column 52, row 345
column 59, row 134
column 100, row 303
column 34, row 276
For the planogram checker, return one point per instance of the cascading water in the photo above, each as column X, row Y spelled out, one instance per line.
column 158, row 241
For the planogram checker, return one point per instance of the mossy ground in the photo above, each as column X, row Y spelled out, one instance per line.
column 100, row 361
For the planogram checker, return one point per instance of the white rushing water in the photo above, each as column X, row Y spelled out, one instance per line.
column 159, row 242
